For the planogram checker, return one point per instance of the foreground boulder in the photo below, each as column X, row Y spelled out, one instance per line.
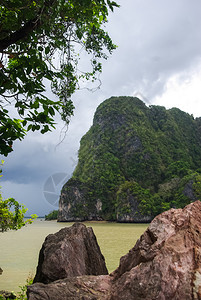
column 166, row 261
column 73, row 251
column 76, row 288
column 164, row 264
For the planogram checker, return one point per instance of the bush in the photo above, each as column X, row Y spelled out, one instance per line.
column 53, row 215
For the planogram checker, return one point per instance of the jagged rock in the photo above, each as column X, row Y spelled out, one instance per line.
column 165, row 264
column 73, row 251
column 166, row 261
column 76, row 288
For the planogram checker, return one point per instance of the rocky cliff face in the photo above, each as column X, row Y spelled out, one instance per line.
column 164, row 264
column 134, row 162
column 79, row 206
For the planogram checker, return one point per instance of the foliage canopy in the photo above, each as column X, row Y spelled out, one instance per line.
column 12, row 215
column 40, row 42
column 52, row 215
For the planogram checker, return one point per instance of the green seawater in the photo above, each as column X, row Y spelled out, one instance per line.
column 19, row 250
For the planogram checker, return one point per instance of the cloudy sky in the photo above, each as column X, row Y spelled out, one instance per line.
column 158, row 59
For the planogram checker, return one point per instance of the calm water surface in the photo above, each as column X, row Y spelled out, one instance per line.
column 19, row 249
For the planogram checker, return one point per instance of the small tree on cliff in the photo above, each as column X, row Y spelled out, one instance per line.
column 40, row 42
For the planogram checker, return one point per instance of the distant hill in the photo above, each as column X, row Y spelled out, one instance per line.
column 134, row 162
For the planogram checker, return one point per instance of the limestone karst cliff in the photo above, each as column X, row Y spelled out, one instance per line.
column 134, row 162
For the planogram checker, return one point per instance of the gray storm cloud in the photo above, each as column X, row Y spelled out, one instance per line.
column 156, row 40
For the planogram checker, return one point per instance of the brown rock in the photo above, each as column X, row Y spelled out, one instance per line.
column 1, row 271
column 166, row 262
column 73, row 251
column 76, row 288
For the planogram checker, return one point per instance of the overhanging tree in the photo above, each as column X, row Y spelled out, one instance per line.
column 40, row 42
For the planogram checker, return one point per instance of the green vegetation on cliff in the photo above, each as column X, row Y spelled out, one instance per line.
column 134, row 156
column 53, row 215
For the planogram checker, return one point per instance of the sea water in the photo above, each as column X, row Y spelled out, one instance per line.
column 19, row 250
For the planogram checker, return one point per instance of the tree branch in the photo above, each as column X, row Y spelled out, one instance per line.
column 19, row 34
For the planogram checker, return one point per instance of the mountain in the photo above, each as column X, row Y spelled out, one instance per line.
column 134, row 162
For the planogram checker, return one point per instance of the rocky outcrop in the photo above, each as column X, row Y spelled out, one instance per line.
column 131, row 142
column 73, row 251
column 74, row 203
column 76, row 288
column 164, row 264
column 132, row 214
column 129, row 207
column 166, row 261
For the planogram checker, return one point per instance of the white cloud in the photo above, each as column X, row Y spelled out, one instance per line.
column 183, row 90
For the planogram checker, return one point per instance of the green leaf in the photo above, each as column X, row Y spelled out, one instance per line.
column 47, row 50
column 29, row 127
